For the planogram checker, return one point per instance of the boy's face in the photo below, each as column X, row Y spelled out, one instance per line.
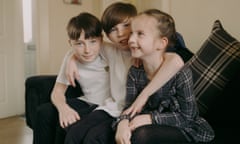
column 120, row 33
column 86, row 50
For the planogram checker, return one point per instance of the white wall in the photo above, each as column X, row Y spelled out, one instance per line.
column 194, row 20
column 51, row 37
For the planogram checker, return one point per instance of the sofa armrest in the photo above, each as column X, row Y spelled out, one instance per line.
column 38, row 90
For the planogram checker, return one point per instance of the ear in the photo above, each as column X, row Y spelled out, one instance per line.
column 163, row 42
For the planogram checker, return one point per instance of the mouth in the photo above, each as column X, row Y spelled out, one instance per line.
column 134, row 47
column 88, row 57
column 124, row 42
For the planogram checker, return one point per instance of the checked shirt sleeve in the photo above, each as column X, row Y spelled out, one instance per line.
column 183, row 98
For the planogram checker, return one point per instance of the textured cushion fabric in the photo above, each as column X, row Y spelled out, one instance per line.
column 214, row 65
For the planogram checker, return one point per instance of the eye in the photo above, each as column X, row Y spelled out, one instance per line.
column 126, row 25
column 113, row 29
column 93, row 41
column 140, row 33
column 78, row 44
column 131, row 33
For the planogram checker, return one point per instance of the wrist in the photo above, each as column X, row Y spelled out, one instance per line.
column 61, row 106
column 124, row 117
column 123, row 124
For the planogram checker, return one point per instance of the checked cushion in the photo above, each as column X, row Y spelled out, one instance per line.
column 214, row 65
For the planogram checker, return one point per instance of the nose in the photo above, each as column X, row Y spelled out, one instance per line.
column 120, row 31
column 86, row 49
column 131, row 39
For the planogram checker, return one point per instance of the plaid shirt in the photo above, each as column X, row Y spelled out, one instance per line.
column 173, row 105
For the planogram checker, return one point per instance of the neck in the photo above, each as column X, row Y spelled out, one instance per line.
column 151, row 66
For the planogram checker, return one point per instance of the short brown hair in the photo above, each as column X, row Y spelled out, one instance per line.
column 117, row 13
column 86, row 22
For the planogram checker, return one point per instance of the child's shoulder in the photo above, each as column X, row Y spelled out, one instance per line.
column 186, row 71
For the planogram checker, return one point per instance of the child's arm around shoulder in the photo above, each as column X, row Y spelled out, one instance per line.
column 71, row 70
column 171, row 65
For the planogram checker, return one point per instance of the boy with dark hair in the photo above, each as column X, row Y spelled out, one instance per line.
column 86, row 41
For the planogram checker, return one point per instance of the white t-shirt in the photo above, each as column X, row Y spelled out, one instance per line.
column 108, row 90
column 119, row 63
column 94, row 79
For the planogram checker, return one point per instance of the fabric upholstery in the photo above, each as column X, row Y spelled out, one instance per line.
column 214, row 65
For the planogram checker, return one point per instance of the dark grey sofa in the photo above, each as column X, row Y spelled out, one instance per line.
column 216, row 74
column 222, row 115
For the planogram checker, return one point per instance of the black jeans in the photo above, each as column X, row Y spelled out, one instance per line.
column 48, row 130
column 95, row 128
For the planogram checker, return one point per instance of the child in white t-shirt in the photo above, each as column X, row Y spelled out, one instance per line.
column 86, row 41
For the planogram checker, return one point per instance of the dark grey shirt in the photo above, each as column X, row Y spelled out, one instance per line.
column 174, row 104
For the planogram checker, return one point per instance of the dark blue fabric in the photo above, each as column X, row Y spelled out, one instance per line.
column 180, row 40
column 181, row 49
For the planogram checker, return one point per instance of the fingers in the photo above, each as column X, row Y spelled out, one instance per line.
column 77, row 76
column 128, row 111
column 126, row 141
column 133, row 113
column 77, row 117
column 132, row 127
column 63, row 124
column 70, row 78
column 73, row 80
column 67, row 122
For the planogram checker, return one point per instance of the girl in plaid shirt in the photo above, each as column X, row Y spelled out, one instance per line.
column 171, row 113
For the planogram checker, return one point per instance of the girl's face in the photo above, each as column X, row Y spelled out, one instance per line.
column 120, row 33
column 86, row 50
column 145, row 39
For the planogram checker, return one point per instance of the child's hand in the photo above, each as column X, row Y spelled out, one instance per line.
column 136, row 106
column 123, row 133
column 67, row 116
column 140, row 120
column 72, row 71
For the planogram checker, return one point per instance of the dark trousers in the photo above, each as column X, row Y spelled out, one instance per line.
column 48, row 130
column 157, row 134
column 95, row 128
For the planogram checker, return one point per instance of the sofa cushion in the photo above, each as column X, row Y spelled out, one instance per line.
column 214, row 65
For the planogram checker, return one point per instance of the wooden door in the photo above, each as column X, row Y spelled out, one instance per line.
column 11, row 58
